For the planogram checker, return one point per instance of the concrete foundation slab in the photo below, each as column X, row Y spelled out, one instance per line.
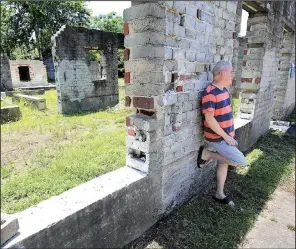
column 34, row 102
column 9, row 227
column 10, row 114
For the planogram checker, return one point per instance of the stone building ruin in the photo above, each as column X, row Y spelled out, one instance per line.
column 82, row 84
column 170, row 50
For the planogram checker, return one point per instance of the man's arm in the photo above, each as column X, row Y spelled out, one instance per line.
column 212, row 122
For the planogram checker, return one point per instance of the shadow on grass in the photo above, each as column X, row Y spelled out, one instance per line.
column 203, row 223
column 84, row 113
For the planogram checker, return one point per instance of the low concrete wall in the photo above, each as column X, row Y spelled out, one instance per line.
column 34, row 102
column 10, row 114
column 26, row 92
column 106, row 212
column 243, row 129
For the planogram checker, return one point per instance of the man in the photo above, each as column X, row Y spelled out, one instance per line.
column 219, row 128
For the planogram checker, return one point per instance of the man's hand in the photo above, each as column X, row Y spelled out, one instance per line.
column 230, row 140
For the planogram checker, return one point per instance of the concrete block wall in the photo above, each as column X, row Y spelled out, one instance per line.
column 78, row 88
column 259, row 67
column 171, row 48
column 285, row 88
column 37, row 71
column 6, row 82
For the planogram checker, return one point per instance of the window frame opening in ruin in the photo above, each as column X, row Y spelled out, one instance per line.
column 95, row 55
column 25, row 75
column 244, row 22
column 246, row 100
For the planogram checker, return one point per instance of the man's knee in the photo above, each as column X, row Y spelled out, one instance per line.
column 242, row 161
column 239, row 159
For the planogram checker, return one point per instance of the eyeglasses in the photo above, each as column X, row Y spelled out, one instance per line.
column 231, row 73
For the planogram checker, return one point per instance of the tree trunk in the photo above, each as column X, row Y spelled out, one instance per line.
column 38, row 44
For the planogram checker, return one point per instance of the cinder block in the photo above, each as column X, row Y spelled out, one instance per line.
column 145, row 38
column 143, row 10
column 10, row 114
column 143, row 102
column 9, row 227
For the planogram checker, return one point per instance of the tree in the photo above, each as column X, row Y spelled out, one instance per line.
column 110, row 22
column 31, row 24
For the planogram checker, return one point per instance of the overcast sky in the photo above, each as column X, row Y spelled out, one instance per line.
column 105, row 7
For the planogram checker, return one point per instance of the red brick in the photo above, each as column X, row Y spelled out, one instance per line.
column 257, row 80
column 246, row 80
column 185, row 77
column 244, row 63
column 127, row 77
column 128, row 101
column 128, row 121
column 131, row 132
column 245, row 51
column 125, row 28
column 174, row 77
column 179, row 88
column 176, row 128
column 143, row 102
column 126, row 54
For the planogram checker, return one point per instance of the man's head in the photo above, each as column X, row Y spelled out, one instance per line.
column 222, row 73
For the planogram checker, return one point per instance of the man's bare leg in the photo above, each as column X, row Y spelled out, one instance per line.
column 206, row 155
column 221, row 178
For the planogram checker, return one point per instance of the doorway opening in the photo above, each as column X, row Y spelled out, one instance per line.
column 24, row 73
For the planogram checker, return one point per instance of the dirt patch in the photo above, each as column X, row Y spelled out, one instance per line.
column 289, row 185
column 16, row 148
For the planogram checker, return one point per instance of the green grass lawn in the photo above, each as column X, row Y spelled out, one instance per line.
column 235, row 104
column 46, row 153
column 204, row 223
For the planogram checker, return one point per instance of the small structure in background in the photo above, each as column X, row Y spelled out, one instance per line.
column 28, row 73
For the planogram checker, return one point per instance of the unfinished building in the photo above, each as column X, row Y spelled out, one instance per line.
column 83, row 85
column 28, row 73
column 171, row 48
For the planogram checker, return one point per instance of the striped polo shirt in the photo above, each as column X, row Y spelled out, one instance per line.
column 217, row 101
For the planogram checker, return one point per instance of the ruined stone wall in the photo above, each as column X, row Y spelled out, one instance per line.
column 78, row 89
column 171, row 48
column 260, row 66
column 285, row 88
column 6, row 83
column 37, row 71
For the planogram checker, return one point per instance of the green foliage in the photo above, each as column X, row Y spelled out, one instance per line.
column 30, row 24
column 95, row 55
column 110, row 22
